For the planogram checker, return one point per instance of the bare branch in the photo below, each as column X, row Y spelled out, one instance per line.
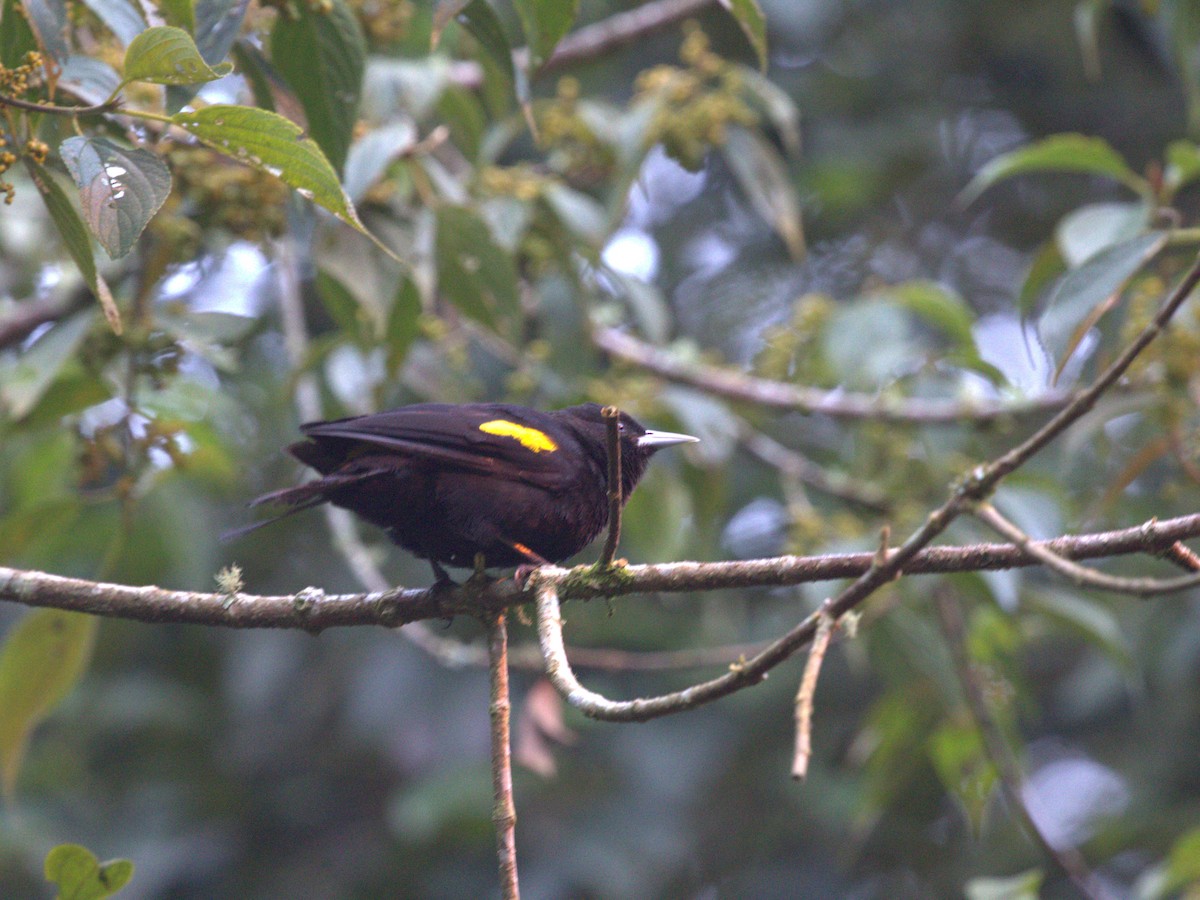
column 314, row 610
column 734, row 385
column 52, row 109
column 804, row 696
column 1081, row 575
column 504, row 810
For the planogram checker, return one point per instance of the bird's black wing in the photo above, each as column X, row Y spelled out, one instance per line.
column 487, row 439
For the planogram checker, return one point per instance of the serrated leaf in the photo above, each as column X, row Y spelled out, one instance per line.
column 764, row 180
column 321, row 56
column 1085, row 293
column 476, row 275
column 275, row 145
column 403, row 323
column 120, row 16
column 168, row 55
column 1059, row 153
column 180, row 13
column 120, row 188
column 81, row 876
column 545, row 23
column 753, row 24
column 218, row 23
column 41, row 659
column 75, row 236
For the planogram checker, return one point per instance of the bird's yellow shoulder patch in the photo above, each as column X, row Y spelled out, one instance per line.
column 530, row 438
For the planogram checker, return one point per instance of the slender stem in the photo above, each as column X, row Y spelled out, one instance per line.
column 804, row 696
column 99, row 108
column 1068, row 860
column 504, row 810
column 612, row 423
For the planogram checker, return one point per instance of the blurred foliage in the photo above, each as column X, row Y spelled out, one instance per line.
column 994, row 197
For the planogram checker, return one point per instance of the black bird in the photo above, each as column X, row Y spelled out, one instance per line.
column 450, row 481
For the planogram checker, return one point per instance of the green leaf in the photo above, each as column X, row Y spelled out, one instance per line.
column 1183, row 862
column 218, row 23
column 1025, row 886
column 765, row 182
column 403, row 324
column 1183, row 165
column 476, row 275
column 49, row 21
column 275, row 145
column 941, row 308
column 180, row 13
column 545, row 23
column 16, row 35
column 442, row 14
column 958, row 757
column 43, row 656
column 25, row 380
column 1086, row 231
column 481, row 21
column 121, row 189
column 91, row 80
column 81, row 876
column 1059, row 153
column 1046, row 267
column 749, row 16
column 168, row 55
column 369, row 157
column 321, row 55
column 1086, row 293
column 75, row 236
column 1095, row 622
column 120, row 16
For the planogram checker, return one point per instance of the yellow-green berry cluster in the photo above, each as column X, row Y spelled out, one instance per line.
column 694, row 106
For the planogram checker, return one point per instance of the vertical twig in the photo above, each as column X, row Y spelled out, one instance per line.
column 504, row 810
column 804, row 697
column 1067, row 859
column 612, row 422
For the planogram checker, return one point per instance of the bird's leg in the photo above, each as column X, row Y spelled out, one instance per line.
column 480, row 576
column 526, row 569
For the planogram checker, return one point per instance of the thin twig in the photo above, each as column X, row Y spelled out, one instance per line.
column 504, row 810
column 1081, row 575
column 99, row 108
column 612, row 424
column 804, row 696
column 734, row 385
column 1183, row 556
column 998, row 752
